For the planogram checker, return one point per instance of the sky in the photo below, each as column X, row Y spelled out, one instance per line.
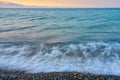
column 68, row 3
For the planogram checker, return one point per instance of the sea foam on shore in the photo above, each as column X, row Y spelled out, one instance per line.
column 89, row 57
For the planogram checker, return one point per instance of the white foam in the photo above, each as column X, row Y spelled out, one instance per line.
column 97, row 57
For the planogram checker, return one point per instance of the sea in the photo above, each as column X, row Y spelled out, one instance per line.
column 39, row 40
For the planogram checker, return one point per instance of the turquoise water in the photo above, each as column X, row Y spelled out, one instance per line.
column 59, row 25
column 60, row 40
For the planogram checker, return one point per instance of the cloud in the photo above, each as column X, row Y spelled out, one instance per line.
column 14, row 5
column 10, row 5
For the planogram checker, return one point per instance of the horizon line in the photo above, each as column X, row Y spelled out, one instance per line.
column 59, row 7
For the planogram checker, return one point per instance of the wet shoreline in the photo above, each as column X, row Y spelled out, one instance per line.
column 17, row 75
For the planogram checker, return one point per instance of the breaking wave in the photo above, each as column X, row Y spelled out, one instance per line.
column 90, row 57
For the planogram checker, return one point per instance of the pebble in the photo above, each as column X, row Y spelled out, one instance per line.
column 54, row 76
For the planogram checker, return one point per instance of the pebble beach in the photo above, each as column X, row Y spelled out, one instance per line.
column 17, row 75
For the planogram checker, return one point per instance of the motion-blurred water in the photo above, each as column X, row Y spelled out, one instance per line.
column 59, row 25
column 55, row 40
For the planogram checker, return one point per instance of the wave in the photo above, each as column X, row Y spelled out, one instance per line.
column 91, row 57
column 22, row 28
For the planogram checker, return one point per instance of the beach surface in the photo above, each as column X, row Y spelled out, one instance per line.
column 17, row 75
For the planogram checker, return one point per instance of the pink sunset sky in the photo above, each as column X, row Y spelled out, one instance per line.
column 62, row 3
